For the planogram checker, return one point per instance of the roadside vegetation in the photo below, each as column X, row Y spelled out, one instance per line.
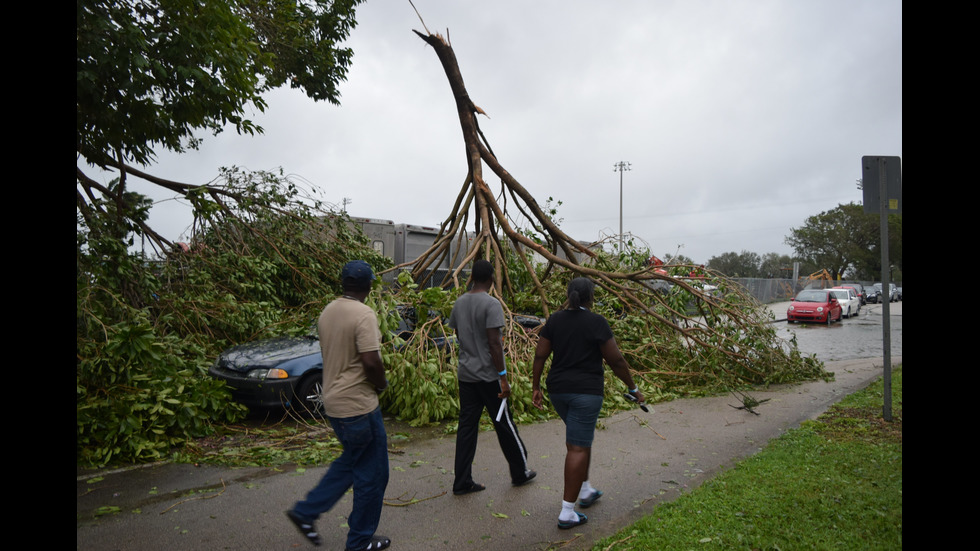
column 147, row 329
column 263, row 253
column 833, row 483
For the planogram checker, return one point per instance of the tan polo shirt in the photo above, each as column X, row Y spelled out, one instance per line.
column 347, row 327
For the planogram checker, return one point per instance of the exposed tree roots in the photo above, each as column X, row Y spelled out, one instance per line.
column 496, row 235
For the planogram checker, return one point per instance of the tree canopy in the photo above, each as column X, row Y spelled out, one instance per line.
column 150, row 73
column 154, row 74
column 744, row 264
column 846, row 242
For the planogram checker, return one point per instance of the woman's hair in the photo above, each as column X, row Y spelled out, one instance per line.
column 580, row 292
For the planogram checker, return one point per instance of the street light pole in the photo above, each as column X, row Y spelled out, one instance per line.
column 621, row 166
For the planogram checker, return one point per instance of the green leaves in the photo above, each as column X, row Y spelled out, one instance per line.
column 148, row 330
column 154, row 72
column 138, row 395
column 846, row 241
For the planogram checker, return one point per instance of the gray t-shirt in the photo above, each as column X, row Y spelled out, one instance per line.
column 472, row 315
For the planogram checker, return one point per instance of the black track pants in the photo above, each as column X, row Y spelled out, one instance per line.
column 473, row 399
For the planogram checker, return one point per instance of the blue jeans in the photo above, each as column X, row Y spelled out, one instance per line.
column 363, row 465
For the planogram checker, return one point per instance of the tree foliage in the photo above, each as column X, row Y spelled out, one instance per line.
column 744, row 264
column 667, row 364
column 148, row 328
column 152, row 72
column 847, row 242
column 775, row 265
column 151, row 75
column 750, row 264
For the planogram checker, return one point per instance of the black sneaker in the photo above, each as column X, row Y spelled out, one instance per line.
column 306, row 528
column 528, row 476
column 377, row 542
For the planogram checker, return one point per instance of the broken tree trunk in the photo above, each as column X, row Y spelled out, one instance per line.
column 627, row 287
column 476, row 194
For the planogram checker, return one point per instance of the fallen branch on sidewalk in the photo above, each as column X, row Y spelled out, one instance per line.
column 223, row 487
column 412, row 501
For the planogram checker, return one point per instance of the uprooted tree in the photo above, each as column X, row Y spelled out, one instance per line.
column 688, row 334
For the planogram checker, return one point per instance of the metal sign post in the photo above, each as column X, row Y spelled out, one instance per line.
column 882, row 185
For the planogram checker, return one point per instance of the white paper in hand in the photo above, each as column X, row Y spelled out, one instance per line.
column 500, row 412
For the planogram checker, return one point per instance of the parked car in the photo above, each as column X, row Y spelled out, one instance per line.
column 858, row 289
column 288, row 371
column 892, row 292
column 898, row 291
column 284, row 371
column 850, row 304
column 710, row 290
column 873, row 294
column 814, row 305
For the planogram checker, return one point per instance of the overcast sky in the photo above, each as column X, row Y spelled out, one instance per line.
column 739, row 118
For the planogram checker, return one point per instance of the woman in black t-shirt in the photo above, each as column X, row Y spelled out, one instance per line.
column 580, row 340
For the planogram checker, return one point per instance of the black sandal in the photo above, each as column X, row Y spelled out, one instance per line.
column 566, row 524
column 377, row 542
column 590, row 501
column 305, row 528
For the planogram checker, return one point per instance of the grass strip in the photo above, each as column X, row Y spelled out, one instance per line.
column 833, row 483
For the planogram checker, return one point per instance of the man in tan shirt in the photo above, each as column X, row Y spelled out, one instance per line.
column 353, row 376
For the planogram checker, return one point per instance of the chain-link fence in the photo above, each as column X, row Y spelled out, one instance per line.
column 775, row 290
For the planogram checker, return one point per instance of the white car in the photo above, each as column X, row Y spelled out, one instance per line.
column 850, row 304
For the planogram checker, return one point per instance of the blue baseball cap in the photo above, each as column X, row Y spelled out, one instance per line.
column 357, row 271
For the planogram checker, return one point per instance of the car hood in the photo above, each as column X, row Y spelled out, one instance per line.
column 268, row 352
column 806, row 305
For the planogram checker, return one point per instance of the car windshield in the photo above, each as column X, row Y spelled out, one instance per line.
column 812, row 296
column 841, row 295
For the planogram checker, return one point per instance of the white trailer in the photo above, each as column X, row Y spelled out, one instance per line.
column 380, row 232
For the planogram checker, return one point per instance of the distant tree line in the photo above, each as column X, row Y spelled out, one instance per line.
column 845, row 241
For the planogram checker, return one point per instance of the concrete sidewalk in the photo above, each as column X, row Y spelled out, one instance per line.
column 640, row 460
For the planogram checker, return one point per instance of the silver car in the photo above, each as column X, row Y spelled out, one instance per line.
column 850, row 304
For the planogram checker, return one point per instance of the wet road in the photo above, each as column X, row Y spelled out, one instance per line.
column 855, row 337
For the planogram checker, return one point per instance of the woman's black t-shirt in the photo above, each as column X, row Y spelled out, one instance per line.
column 576, row 365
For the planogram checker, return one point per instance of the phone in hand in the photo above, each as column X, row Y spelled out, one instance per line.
column 632, row 398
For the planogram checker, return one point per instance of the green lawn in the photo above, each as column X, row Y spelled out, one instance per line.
column 834, row 483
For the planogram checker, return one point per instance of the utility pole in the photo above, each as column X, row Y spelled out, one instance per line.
column 347, row 201
column 882, row 187
column 621, row 166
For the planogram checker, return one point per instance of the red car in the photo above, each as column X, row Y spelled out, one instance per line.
column 814, row 306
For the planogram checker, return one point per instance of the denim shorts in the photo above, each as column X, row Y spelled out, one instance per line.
column 580, row 413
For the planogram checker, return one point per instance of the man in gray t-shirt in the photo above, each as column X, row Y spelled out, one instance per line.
column 477, row 319
column 473, row 314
